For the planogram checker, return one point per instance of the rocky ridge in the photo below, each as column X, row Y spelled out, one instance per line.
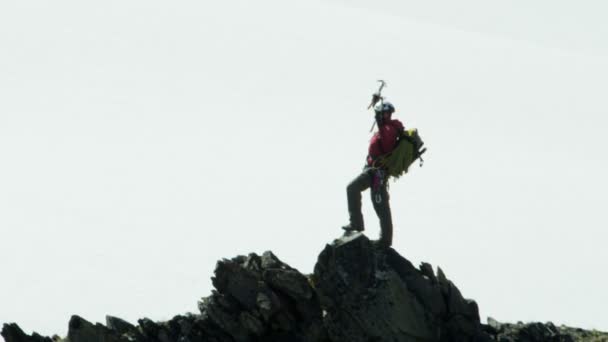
column 356, row 293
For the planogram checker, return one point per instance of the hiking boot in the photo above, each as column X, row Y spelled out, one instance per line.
column 351, row 228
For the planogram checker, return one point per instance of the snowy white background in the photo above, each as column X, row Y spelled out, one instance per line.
column 141, row 141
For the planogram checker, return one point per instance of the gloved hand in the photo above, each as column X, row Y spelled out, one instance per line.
column 375, row 98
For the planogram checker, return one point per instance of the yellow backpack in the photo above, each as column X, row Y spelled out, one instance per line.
column 408, row 149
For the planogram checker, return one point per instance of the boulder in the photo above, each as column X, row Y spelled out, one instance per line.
column 372, row 294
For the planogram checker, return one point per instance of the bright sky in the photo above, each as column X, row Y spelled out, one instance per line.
column 141, row 141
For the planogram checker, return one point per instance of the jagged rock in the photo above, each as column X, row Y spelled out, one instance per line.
column 148, row 328
column 226, row 319
column 13, row 333
column 364, row 299
column 269, row 260
column 252, row 324
column 81, row 330
column 357, row 293
column 539, row 332
column 426, row 288
column 238, row 282
column 373, row 294
column 119, row 325
column 427, row 270
column 290, row 282
column 262, row 298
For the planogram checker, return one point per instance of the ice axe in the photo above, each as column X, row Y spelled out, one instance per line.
column 375, row 98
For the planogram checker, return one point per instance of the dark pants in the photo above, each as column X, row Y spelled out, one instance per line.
column 380, row 199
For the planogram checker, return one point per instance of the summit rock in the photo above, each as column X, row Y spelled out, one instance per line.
column 358, row 292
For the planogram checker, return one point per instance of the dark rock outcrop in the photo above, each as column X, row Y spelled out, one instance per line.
column 356, row 293
column 12, row 333
column 377, row 295
column 541, row 332
column 260, row 298
column 79, row 329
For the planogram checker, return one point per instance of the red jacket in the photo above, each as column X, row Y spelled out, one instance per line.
column 384, row 140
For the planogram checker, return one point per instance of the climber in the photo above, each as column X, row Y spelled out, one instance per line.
column 375, row 175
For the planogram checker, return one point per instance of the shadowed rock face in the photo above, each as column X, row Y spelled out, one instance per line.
column 256, row 298
column 357, row 293
column 377, row 295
